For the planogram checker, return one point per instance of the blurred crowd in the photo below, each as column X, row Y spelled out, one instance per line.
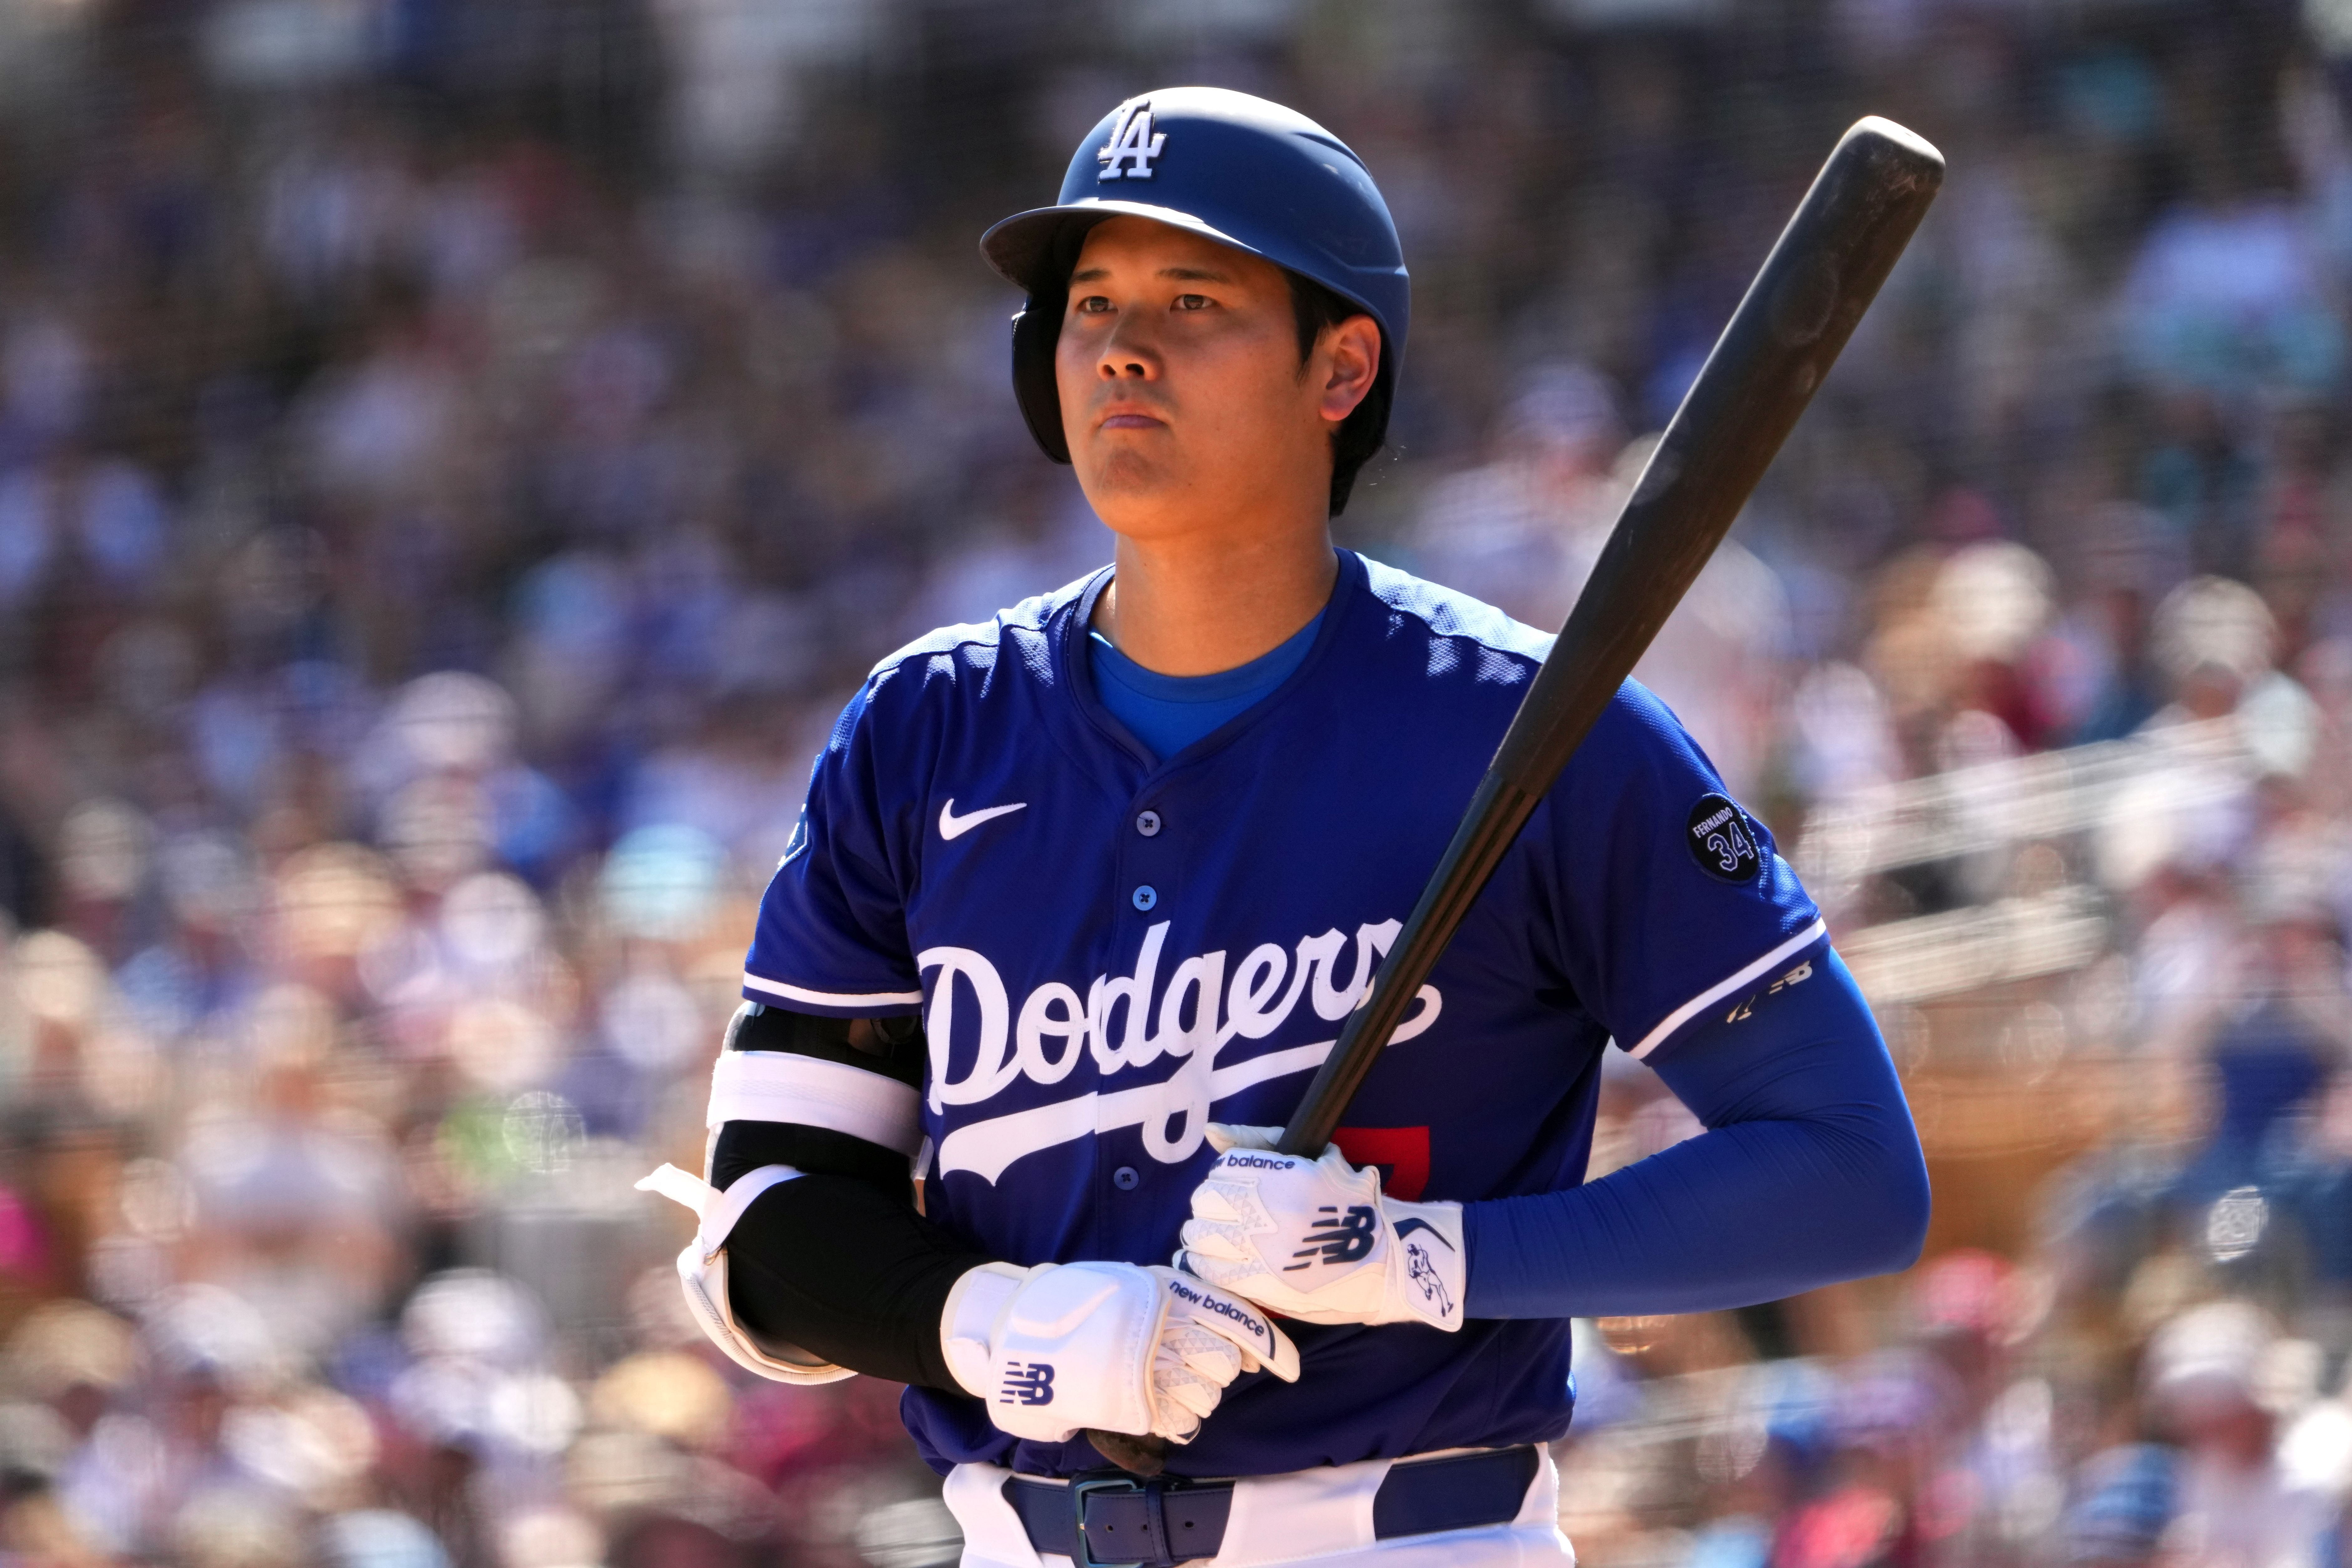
column 456, row 457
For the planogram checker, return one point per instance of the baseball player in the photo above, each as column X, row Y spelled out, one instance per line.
column 1080, row 896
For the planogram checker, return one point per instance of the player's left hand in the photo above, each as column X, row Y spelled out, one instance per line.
column 1315, row 1240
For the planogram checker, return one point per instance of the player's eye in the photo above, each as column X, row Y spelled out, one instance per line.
column 1092, row 305
column 1193, row 302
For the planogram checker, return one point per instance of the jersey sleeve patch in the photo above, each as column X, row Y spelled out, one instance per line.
column 1660, row 884
column 1722, row 840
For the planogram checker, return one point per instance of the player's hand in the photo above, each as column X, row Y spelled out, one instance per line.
column 1111, row 1346
column 1314, row 1239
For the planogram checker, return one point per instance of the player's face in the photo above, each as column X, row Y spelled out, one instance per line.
column 1183, row 399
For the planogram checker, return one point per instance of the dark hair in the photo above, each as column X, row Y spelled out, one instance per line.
column 1364, row 431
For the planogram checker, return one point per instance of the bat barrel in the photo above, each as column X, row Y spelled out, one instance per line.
column 1795, row 317
column 1822, row 274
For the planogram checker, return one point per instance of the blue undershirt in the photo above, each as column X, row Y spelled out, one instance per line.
column 1810, row 1171
column 1169, row 712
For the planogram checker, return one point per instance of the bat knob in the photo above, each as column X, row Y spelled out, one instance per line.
column 1139, row 1455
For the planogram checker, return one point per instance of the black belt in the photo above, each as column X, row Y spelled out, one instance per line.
column 1106, row 1518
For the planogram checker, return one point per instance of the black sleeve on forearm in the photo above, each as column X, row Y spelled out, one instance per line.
column 847, row 1272
column 837, row 1262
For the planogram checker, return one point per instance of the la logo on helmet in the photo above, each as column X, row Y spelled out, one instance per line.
column 1133, row 143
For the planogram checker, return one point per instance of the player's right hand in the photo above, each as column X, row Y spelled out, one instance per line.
column 1113, row 1346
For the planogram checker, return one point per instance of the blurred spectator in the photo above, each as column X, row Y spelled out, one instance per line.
column 455, row 461
column 2232, row 1502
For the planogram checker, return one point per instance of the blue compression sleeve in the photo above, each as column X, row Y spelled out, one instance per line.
column 1810, row 1171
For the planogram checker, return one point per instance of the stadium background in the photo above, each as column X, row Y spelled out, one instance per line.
column 455, row 457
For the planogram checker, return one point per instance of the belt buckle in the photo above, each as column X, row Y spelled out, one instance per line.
column 1084, row 1486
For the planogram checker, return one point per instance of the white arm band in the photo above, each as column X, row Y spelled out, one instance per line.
column 784, row 1086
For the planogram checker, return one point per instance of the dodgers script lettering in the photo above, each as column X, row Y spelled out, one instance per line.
column 1128, row 1023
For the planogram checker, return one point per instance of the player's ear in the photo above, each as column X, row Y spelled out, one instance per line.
column 1350, row 350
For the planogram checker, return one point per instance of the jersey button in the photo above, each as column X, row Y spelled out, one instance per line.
column 1146, row 897
column 1148, row 823
column 1127, row 1178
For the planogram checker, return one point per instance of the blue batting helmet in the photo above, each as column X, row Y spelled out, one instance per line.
column 1236, row 169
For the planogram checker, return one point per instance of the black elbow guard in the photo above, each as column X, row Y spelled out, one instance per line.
column 836, row 1097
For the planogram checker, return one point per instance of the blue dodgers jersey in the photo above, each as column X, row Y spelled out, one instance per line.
column 1110, row 951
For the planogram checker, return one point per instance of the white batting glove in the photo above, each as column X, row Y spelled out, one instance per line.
column 1313, row 1239
column 1112, row 1346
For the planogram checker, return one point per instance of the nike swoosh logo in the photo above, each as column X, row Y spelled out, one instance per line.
column 1408, row 1226
column 952, row 826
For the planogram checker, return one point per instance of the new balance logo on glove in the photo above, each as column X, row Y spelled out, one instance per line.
column 1029, row 1385
column 1343, row 1238
column 1118, row 1347
column 1366, row 1256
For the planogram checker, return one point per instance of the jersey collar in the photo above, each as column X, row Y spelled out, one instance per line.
column 1348, row 590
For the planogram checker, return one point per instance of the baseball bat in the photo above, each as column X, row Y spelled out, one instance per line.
column 1788, row 330
column 1796, row 316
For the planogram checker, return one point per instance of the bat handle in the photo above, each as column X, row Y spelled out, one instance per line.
column 1145, row 1456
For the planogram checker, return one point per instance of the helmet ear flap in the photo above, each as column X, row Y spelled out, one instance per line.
column 1035, row 332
